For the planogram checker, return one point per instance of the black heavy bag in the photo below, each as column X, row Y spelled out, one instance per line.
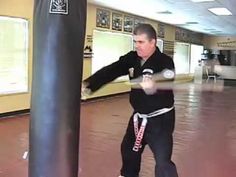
column 59, row 32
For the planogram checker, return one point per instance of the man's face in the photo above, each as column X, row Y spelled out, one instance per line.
column 144, row 46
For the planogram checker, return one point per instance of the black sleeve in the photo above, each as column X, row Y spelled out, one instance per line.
column 169, row 63
column 172, row 66
column 110, row 72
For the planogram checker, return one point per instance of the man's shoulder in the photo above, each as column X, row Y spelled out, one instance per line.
column 162, row 57
column 165, row 56
column 164, row 61
column 131, row 55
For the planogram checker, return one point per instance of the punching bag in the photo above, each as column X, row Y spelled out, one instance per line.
column 59, row 33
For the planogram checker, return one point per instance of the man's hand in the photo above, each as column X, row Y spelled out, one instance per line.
column 148, row 85
column 85, row 92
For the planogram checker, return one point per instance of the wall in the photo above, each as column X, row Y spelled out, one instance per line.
column 111, row 88
column 220, row 43
column 114, row 87
column 23, row 9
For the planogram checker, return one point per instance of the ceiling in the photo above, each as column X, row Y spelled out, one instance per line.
column 182, row 13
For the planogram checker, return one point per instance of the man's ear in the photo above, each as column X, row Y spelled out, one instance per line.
column 153, row 41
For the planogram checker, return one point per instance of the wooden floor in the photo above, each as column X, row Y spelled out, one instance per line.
column 205, row 137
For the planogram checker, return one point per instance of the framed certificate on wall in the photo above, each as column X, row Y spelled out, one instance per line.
column 161, row 30
column 128, row 24
column 117, row 21
column 138, row 21
column 103, row 18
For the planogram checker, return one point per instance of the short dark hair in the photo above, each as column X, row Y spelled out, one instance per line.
column 144, row 28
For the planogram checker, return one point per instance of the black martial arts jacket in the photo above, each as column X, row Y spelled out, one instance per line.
column 131, row 64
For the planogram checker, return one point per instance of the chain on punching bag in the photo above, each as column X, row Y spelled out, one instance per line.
column 59, row 32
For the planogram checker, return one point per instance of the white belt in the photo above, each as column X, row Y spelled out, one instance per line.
column 139, row 132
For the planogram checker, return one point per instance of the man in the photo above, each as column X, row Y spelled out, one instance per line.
column 153, row 119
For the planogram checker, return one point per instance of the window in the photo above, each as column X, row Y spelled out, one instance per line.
column 182, row 58
column 13, row 55
column 196, row 53
column 108, row 47
column 160, row 44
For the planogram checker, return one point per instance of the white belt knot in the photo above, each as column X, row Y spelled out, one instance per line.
column 139, row 132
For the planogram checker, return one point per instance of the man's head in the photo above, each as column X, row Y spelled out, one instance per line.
column 145, row 40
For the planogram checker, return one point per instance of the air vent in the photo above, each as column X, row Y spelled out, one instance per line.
column 202, row 0
column 216, row 32
column 209, row 29
column 191, row 23
column 165, row 12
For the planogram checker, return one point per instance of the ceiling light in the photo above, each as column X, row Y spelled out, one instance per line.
column 172, row 19
column 220, row 11
column 202, row 0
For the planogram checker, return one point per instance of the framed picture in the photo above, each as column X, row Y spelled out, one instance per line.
column 117, row 21
column 128, row 24
column 137, row 21
column 103, row 18
column 161, row 30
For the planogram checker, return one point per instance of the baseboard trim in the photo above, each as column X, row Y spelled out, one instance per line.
column 14, row 113
column 26, row 111
column 103, row 97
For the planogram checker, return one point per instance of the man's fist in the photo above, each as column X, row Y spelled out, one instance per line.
column 85, row 92
column 148, row 85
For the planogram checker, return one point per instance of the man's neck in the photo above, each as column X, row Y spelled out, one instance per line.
column 147, row 57
column 142, row 62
